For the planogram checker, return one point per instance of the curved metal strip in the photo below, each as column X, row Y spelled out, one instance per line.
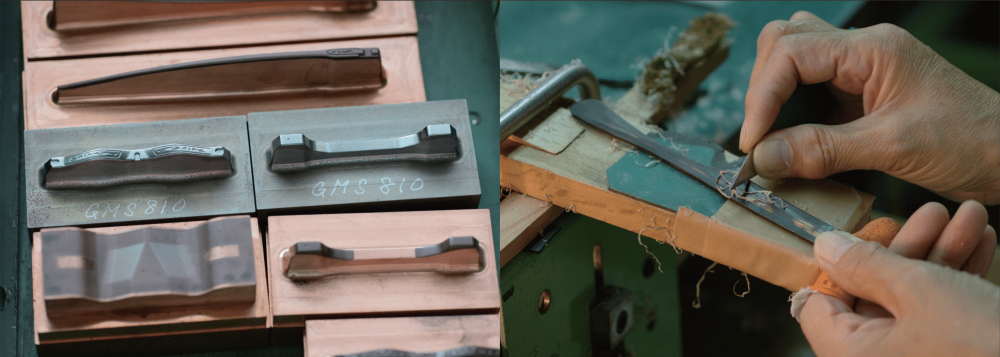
column 539, row 98
column 95, row 15
column 112, row 167
column 263, row 74
column 782, row 213
column 312, row 260
column 434, row 144
column 85, row 272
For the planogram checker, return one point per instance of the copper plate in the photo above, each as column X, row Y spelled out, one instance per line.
column 381, row 293
column 400, row 60
column 389, row 18
column 117, row 325
column 411, row 334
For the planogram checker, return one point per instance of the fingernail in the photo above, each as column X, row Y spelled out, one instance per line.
column 774, row 156
column 830, row 246
column 743, row 135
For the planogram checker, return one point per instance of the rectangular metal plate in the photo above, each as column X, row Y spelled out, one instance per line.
column 138, row 202
column 410, row 334
column 380, row 293
column 451, row 184
column 400, row 63
column 132, row 325
column 389, row 18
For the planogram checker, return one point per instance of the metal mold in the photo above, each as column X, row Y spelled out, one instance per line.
column 68, row 16
column 149, row 268
column 268, row 74
column 295, row 152
column 311, row 260
column 111, row 167
column 360, row 169
column 144, row 190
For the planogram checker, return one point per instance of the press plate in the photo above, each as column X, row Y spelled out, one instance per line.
column 144, row 201
column 391, row 185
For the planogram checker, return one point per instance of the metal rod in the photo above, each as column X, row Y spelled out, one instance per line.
column 539, row 98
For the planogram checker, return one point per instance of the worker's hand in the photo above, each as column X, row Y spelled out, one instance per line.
column 966, row 243
column 930, row 307
column 903, row 110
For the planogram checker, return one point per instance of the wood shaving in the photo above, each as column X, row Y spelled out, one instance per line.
column 697, row 287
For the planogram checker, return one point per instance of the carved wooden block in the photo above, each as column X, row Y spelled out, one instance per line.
column 138, row 327
column 61, row 31
column 381, row 236
column 345, row 337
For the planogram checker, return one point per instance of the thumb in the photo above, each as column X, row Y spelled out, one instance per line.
column 867, row 270
column 814, row 151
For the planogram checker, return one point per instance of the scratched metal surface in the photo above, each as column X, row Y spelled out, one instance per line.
column 358, row 186
column 138, row 202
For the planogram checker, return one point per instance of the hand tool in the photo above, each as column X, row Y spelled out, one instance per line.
column 746, row 172
column 758, row 200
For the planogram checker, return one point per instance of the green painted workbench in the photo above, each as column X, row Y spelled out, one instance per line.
column 458, row 57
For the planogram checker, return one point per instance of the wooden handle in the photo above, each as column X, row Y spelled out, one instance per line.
column 881, row 230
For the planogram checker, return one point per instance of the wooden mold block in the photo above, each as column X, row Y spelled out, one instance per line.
column 383, row 293
column 166, row 27
column 400, row 67
column 158, row 322
column 410, row 334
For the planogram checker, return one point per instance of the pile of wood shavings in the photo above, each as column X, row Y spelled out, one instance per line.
column 724, row 184
column 703, row 36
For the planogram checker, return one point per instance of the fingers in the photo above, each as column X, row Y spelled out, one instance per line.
column 830, row 326
column 867, row 270
column 807, row 58
column 920, row 232
column 979, row 262
column 801, row 22
column 817, row 151
column 961, row 237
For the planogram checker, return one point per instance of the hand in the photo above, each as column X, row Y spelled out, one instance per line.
column 903, row 110
column 913, row 307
